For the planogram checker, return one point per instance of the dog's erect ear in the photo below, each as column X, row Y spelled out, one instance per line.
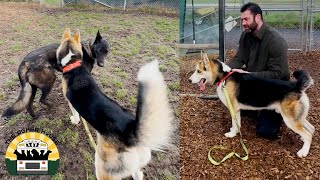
column 205, row 59
column 201, row 54
column 98, row 37
column 77, row 36
column 66, row 34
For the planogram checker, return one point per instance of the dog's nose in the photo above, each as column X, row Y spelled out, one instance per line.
column 190, row 81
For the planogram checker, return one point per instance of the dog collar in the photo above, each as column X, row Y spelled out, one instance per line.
column 72, row 65
column 224, row 78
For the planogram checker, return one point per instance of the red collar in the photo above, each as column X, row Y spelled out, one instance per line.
column 71, row 66
column 224, row 78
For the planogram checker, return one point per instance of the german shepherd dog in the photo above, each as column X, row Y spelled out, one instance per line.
column 37, row 70
column 249, row 92
column 124, row 142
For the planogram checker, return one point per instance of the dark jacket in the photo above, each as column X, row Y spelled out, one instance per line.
column 264, row 55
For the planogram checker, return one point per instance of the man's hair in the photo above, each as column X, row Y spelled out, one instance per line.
column 253, row 8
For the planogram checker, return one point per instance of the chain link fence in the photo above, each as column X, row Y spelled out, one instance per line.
column 172, row 4
column 315, row 25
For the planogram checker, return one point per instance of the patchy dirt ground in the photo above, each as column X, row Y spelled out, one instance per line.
column 136, row 38
column 204, row 122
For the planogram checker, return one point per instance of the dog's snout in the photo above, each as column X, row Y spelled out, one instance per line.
column 190, row 81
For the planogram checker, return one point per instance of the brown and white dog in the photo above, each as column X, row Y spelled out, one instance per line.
column 124, row 141
column 249, row 92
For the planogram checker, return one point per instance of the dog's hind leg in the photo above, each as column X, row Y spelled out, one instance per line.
column 45, row 92
column 290, row 116
column 33, row 94
column 51, row 78
column 303, row 109
column 297, row 127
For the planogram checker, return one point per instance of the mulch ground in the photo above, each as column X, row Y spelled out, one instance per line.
column 204, row 122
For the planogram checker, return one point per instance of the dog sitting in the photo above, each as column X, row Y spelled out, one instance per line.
column 37, row 70
column 249, row 92
column 124, row 142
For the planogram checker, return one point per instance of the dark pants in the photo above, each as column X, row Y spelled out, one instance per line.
column 268, row 122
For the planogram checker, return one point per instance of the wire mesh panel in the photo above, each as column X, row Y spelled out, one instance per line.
column 201, row 27
column 315, row 25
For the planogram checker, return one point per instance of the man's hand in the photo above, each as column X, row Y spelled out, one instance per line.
column 240, row 71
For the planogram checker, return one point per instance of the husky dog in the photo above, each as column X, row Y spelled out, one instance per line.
column 249, row 92
column 124, row 141
column 37, row 70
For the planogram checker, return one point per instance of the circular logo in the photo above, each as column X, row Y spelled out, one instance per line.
column 32, row 153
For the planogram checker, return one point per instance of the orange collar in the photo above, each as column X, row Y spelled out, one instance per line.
column 71, row 66
column 225, row 77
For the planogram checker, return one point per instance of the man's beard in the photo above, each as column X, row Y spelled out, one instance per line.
column 252, row 27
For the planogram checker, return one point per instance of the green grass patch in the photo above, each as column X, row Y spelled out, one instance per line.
column 172, row 64
column 163, row 50
column 282, row 19
column 58, row 176
column 2, row 42
column 88, row 159
column 111, row 81
column 176, row 112
column 13, row 120
column 16, row 47
column 69, row 137
column 163, row 68
column 11, row 83
column 174, row 86
column 120, row 72
column 121, row 93
column 2, row 96
column 45, row 122
column 167, row 177
column 133, row 99
column 10, row 62
column 52, row 2
column 165, row 26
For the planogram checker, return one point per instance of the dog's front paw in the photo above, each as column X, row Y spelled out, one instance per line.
column 231, row 134
column 74, row 120
column 303, row 152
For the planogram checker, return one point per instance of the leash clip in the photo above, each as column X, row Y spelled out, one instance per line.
column 223, row 84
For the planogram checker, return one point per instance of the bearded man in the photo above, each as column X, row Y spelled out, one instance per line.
column 262, row 52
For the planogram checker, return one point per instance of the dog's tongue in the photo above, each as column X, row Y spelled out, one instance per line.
column 202, row 85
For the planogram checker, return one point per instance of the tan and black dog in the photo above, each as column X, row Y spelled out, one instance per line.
column 249, row 92
column 124, row 141
column 37, row 71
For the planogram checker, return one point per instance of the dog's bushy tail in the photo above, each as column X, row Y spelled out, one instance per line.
column 304, row 80
column 22, row 101
column 154, row 114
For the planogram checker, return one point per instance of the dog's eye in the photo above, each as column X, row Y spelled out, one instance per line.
column 204, row 68
column 199, row 71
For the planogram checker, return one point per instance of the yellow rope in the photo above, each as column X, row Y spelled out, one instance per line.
column 93, row 144
column 229, row 155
